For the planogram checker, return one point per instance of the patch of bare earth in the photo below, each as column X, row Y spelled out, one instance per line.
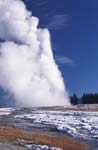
column 66, row 143
column 72, row 109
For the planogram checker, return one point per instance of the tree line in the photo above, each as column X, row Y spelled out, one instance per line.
column 86, row 98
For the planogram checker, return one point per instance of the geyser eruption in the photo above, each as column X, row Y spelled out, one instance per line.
column 27, row 67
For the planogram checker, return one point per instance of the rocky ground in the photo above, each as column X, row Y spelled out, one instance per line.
column 9, row 146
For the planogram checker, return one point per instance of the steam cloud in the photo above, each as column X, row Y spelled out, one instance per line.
column 27, row 68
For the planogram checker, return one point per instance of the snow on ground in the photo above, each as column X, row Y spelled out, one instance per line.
column 75, row 123
column 41, row 147
column 5, row 111
column 32, row 146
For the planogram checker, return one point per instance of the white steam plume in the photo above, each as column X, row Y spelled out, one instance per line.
column 27, row 68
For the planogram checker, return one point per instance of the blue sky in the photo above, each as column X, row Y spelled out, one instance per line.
column 74, row 35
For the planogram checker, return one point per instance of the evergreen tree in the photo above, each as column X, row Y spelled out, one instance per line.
column 74, row 99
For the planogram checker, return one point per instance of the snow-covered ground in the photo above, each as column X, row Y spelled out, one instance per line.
column 31, row 146
column 81, row 125
column 75, row 123
column 5, row 111
column 41, row 147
